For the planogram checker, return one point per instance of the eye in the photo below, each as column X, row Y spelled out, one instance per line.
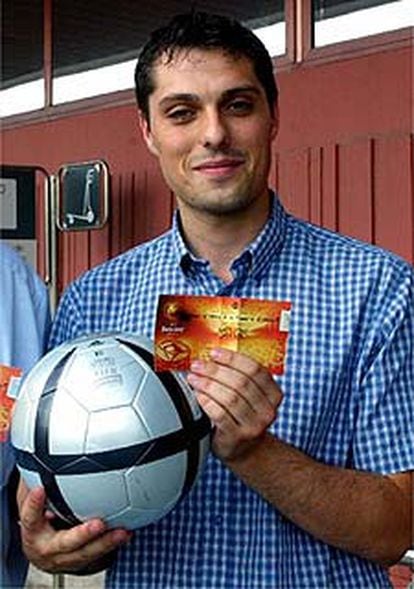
column 240, row 106
column 181, row 114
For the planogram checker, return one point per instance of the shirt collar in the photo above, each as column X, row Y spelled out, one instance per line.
column 259, row 253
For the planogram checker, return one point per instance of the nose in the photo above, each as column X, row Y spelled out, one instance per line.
column 214, row 133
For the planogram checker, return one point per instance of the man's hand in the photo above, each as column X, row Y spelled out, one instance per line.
column 67, row 551
column 240, row 397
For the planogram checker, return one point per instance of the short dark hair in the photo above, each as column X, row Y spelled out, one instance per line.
column 202, row 30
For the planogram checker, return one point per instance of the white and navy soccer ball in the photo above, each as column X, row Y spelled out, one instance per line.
column 105, row 435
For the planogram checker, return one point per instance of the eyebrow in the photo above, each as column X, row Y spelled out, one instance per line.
column 227, row 95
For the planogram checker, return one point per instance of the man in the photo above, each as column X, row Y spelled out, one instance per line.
column 24, row 320
column 309, row 481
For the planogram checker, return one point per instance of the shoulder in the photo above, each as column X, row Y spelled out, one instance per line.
column 17, row 274
column 371, row 280
column 101, row 293
column 99, row 299
column 347, row 254
column 128, row 266
column 12, row 261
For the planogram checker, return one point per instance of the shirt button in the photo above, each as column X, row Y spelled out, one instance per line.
column 218, row 520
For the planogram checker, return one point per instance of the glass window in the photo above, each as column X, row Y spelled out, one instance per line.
column 340, row 20
column 96, row 43
column 21, row 84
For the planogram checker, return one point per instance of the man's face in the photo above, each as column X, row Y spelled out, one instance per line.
column 211, row 129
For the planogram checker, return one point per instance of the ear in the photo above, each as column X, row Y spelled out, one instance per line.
column 147, row 134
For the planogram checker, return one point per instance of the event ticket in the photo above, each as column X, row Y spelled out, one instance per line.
column 8, row 377
column 189, row 327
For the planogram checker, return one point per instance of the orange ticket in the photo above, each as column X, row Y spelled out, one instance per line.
column 7, row 373
column 189, row 327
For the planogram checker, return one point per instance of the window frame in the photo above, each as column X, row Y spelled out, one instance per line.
column 299, row 53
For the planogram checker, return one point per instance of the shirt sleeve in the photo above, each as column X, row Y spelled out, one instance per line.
column 24, row 314
column 68, row 322
column 384, row 433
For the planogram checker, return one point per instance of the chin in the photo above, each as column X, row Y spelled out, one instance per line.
column 221, row 202
column 225, row 207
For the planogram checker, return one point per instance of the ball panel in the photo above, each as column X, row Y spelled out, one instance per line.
column 122, row 427
column 23, row 423
column 132, row 519
column 67, row 425
column 35, row 382
column 158, row 484
column 204, row 447
column 94, row 373
column 189, row 394
column 107, row 490
column 155, row 408
column 31, row 478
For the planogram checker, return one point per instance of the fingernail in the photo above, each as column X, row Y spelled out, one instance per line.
column 96, row 526
column 197, row 365
column 193, row 380
column 121, row 535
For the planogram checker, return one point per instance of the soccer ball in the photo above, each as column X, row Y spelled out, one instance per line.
column 105, row 435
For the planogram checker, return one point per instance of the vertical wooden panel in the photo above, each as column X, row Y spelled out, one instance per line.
column 116, row 216
column 73, row 255
column 158, row 202
column 99, row 246
column 394, row 192
column 329, row 187
column 355, row 197
column 274, row 171
column 316, row 186
column 122, row 212
column 294, row 181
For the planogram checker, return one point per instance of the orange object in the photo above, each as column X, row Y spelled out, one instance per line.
column 6, row 403
column 189, row 327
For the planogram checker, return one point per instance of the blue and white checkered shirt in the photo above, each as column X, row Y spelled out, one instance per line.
column 348, row 397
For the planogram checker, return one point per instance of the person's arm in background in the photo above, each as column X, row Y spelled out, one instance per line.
column 24, row 329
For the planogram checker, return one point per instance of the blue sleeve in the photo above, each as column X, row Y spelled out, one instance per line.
column 24, row 313
column 24, row 321
column 68, row 322
column 384, row 439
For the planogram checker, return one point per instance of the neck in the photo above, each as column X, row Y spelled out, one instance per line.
column 221, row 239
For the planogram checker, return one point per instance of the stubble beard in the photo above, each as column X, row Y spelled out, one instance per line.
column 220, row 205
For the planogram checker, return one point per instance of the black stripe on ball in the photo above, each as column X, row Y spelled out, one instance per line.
column 119, row 458
column 183, row 408
column 41, row 444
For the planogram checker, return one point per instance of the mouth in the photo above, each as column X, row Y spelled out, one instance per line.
column 219, row 168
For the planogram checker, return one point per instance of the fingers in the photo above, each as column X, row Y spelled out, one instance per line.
column 63, row 550
column 67, row 541
column 240, row 397
column 22, row 491
column 237, row 383
column 78, row 547
column 31, row 509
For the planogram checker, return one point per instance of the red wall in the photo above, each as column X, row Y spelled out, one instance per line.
column 343, row 157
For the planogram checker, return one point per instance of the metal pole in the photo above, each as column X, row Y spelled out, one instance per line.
column 58, row 581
